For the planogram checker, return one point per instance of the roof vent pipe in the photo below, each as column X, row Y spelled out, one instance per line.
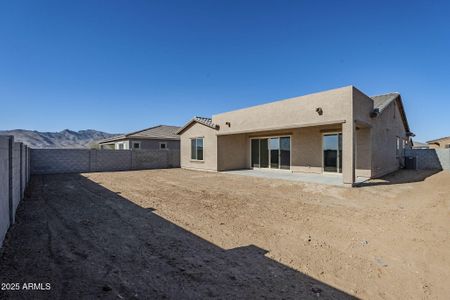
column 375, row 113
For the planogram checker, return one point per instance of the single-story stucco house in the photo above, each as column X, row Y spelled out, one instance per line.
column 340, row 131
column 419, row 145
column 439, row 143
column 157, row 137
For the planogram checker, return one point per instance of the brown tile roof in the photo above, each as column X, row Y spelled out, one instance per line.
column 202, row 120
column 163, row 132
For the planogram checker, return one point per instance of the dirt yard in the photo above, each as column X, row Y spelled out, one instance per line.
column 185, row 234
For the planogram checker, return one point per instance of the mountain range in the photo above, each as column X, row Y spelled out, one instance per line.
column 63, row 139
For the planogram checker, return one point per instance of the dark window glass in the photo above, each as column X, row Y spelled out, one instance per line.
column 193, row 149
column 332, row 153
column 200, row 149
column 285, row 153
column 162, row 146
column 255, row 153
column 274, row 146
column 340, row 152
column 264, row 153
column 136, row 145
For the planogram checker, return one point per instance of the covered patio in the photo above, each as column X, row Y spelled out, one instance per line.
column 328, row 179
column 319, row 153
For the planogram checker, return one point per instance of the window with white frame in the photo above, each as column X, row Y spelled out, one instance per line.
column 197, row 148
column 162, row 145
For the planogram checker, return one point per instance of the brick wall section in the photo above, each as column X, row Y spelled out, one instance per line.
column 14, row 177
column 54, row 161
column 430, row 159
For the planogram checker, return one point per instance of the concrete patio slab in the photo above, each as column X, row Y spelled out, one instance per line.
column 329, row 179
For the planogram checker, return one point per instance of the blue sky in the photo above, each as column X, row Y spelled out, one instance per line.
column 120, row 66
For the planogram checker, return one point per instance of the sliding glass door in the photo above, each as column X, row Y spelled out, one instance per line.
column 285, row 153
column 274, row 153
column 332, row 152
column 263, row 153
column 274, row 146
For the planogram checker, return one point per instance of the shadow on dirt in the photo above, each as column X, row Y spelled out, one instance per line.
column 400, row 177
column 90, row 242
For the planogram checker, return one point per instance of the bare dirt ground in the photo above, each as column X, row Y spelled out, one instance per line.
column 185, row 234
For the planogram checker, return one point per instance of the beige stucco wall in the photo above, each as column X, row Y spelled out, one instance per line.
column 442, row 143
column 209, row 162
column 290, row 113
column 386, row 128
column 363, row 152
column 233, row 152
column 362, row 106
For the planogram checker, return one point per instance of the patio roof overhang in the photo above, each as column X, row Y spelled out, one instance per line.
column 274, row 128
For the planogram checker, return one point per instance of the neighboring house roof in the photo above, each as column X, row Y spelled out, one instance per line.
column 201, row 120
column 383, row 101
column 438, row 140
column 163, row 132
column 417, row 144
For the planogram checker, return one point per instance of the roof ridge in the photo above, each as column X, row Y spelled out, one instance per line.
column 134, row 132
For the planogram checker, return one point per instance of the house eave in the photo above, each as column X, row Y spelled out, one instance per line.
column 291, row 126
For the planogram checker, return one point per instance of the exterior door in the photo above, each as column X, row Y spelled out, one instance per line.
column 332, row 152
column 274, row 153
column 285, row 153
column 274, row 146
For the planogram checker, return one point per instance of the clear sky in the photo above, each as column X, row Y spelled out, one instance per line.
column 120, row 66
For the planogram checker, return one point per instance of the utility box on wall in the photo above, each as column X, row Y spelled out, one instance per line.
column 410, row 163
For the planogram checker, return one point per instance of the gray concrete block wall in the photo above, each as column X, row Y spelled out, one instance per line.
column 13, row 180
column 17, row 193
column 157, row 159
column 430, row 159
column 4, row 186
column 111, row 160
column 54, row 161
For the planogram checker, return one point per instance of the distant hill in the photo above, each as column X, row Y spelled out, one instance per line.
column 63, row 139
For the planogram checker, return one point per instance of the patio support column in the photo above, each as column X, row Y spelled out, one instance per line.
column 348, row 153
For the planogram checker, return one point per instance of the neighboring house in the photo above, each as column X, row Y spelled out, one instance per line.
column 157, row 137
column 440, row 143
column 336, row 131
column 419, row 145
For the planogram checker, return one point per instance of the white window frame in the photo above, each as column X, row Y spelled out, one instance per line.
column 163, row 143
column 196, row 151
column 119, row 145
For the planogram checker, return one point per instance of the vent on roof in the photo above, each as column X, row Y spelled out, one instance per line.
column 375, row 113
